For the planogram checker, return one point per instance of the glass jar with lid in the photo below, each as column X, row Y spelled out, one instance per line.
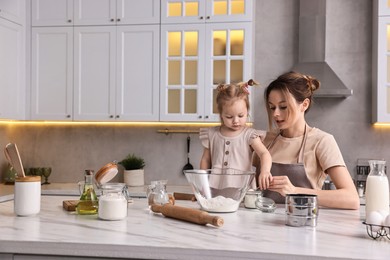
column 251, row 197
column 113, row 201
column 114, row 196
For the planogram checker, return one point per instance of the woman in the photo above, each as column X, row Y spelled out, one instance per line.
column 302, row 155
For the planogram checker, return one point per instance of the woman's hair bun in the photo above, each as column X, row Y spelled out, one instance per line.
column 312, row 83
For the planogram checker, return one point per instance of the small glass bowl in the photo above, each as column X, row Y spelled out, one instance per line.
column 265, row 204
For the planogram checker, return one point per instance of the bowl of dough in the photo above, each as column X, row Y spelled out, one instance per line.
column 219, row 190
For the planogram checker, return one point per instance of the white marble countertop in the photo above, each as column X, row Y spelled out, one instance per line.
column 248, row 234
column 72, row 189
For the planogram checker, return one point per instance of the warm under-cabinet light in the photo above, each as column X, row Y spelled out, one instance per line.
column 111, row 124
column 381, row 125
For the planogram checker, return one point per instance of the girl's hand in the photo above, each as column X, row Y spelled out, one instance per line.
column 282, row 185
column 265, row 180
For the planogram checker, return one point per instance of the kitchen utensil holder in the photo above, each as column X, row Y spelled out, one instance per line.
column 384, row 231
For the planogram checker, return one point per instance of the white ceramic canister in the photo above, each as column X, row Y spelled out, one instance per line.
column 113, row 201
column 134, row 178
column 27, row 198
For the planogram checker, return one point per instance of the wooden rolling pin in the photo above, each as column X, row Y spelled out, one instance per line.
column 184, row 196
column 187, row 214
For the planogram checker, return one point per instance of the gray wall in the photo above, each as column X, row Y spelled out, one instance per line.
column 71, row 149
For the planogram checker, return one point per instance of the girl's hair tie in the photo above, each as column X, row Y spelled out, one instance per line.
column 244, row 87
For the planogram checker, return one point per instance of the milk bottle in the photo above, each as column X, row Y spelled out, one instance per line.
column 377, row 188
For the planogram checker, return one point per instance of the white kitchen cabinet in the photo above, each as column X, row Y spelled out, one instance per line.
column 206, row 11
column 12, row 70
column 137, row 73
column 51, row 12
column 116, row 73
column 94, row 70
column 97, row 73
column 138, row 11
column 381, row 62
column 203, row 43
column 94, row 12
column 13, row 10
column 52, row 73
column 111, row 12
column 195, row 58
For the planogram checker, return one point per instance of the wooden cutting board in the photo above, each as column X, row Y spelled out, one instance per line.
column 70, row 205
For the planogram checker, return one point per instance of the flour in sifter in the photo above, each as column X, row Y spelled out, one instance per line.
column 219, row 204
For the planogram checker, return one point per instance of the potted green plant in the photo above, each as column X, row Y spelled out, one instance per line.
column 133, row 170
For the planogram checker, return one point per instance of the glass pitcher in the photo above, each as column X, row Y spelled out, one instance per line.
column 377, row 188
column 157, row 193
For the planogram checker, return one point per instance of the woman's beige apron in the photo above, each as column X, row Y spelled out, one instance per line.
column 295, row 172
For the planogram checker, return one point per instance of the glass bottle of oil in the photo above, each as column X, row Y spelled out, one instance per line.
column 88, row 202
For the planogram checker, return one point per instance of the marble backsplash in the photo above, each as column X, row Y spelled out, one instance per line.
column 69, row 150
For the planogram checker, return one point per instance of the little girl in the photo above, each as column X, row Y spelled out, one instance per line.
column 231, row 145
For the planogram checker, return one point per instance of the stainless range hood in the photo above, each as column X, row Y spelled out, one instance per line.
column 312, row 40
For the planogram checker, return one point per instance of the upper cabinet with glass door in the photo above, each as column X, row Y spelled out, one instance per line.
column 381, row 64
column 201, row 11
column 195, row 58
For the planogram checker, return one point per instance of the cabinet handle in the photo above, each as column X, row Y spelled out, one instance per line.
column 118, row 20
column 68, row 116
column 112, row 19
column 117, row 116
column 201, row 18
column 111, row 116
column 207, row 17
column 200, row 117
column 69, row 21
column 206, row 117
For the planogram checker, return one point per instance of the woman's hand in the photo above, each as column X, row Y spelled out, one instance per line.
column 344, row 197
column 282, row 185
